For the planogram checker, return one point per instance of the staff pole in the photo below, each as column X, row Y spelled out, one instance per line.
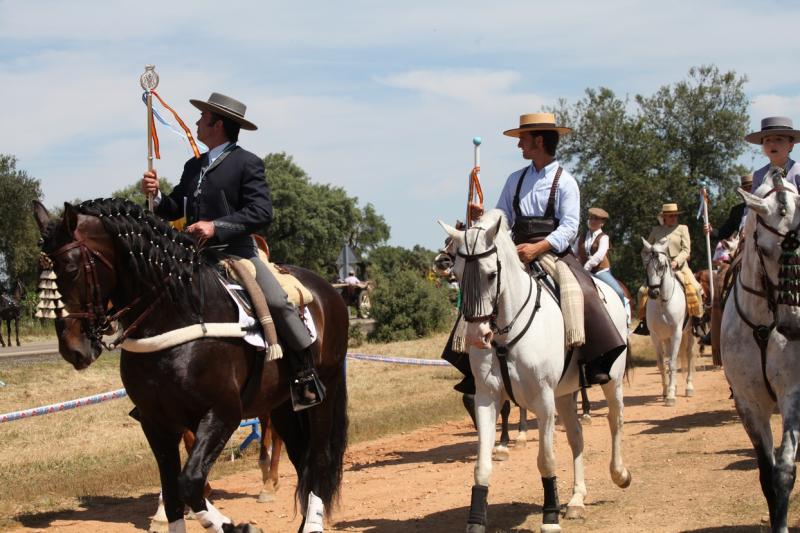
column 149, row 81
column 708, row 246
column 476, row 142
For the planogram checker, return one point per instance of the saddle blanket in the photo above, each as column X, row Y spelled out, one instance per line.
column 246, row 328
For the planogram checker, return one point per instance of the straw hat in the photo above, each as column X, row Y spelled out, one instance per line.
column 598, row 212
column 226, row 107
column 537, row 122
column 670, row 209
column 773, row 126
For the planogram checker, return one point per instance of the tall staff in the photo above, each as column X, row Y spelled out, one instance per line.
column 149, row 81
column 474, row 190
column 704, row 203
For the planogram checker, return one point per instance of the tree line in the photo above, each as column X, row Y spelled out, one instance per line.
column 629, row 154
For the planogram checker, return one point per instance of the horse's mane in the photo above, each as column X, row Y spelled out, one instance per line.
column 155, row 254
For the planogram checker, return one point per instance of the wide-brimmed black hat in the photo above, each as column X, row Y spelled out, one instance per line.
column 774, row 126
column 227, row 107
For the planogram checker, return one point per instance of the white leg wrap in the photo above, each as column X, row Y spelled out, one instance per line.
column 212, row 519
column 178, row 526
column 314, row 514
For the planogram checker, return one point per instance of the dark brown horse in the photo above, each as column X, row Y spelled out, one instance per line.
column 114, row 251
column 11, row 310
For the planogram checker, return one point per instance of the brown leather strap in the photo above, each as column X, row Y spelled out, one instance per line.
column 551, row 201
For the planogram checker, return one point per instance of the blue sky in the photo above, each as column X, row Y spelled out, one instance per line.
column 380, row 98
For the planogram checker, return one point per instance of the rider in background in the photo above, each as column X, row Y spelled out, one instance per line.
column 678, row 249
column 592, row 251
column 351, row 278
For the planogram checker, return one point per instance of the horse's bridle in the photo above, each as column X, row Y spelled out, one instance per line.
column 469, row 314
column 97, row 318
column 653, row 255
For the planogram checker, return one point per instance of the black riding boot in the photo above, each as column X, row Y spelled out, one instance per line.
column 641, row 329
column 697, row 327
column 305, row 388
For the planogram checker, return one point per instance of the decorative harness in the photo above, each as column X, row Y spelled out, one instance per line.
column 97, row 319
column 787, row 290
column 472, row 305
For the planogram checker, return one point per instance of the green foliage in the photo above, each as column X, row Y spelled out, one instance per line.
column 313, row 221
column 386, row 260
column 133, row 192
column 406, row 306
column 631, row 157
column 19, row 235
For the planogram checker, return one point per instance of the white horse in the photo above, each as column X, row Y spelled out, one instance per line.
column 504, row 294
column 759, row 334
column 668, row 321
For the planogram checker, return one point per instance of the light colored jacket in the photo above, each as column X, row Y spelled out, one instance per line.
column 679, row 246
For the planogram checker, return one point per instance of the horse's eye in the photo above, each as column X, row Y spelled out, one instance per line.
column 492, row 276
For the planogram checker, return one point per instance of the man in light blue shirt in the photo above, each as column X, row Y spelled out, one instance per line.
column 542, row 203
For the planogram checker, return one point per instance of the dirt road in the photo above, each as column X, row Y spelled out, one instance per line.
column 693, row 470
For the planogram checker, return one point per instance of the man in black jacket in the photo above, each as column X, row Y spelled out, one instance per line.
column 224, row 197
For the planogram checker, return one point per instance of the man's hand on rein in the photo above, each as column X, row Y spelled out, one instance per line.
column 202, row 230
column 528, row 252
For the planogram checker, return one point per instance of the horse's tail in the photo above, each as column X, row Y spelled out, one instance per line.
column 322, row 471
column 630, row 363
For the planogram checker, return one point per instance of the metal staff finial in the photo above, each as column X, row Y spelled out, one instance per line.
column 149, row 81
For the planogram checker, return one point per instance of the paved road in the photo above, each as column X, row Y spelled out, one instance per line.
column 32, row 351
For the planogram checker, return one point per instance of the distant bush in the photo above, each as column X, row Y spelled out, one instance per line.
column 407, row 306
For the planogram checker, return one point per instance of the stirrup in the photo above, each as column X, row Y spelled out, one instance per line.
column 306, row 390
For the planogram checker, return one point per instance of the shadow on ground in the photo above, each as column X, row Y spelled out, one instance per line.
column 504, row 517
column 736, row 529
column 684, row 423
column 110, row 509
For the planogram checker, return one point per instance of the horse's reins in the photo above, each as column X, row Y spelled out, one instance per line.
column 761, row 332
column 93, row 312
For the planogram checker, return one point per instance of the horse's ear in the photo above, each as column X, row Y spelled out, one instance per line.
column 70, row 217
column 756, row 203
column 453, row 232
column 491, row 233
column 41, row 215
column 647, row 245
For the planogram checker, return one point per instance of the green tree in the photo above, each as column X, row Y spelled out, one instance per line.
column 312, row 221
column 388, row 260
column 19, row 235
column 406, row 306
column 630, row 157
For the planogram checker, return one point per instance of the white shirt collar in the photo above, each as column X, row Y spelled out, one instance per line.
column 216, row 151
column 548, row 168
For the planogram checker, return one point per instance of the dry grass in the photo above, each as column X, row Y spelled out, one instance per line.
column 54, row 461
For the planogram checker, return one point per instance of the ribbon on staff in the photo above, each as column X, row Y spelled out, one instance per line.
column 703, row 202
column 475, row 190
column 186, row 134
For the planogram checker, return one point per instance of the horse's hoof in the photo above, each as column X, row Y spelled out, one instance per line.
column 575, row 512
column 689, row 393
column 190, row 515
column 522, row 440
column 669, row 402
column 627, row 481
column 476, row 528
column 266, row 497
column 586, row 420
column 158, row 526
column 500, row 453
column 550, row 528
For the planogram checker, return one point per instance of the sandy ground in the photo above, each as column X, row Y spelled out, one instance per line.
column 693, row 470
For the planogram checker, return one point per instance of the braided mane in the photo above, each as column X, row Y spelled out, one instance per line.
column 154, row 253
